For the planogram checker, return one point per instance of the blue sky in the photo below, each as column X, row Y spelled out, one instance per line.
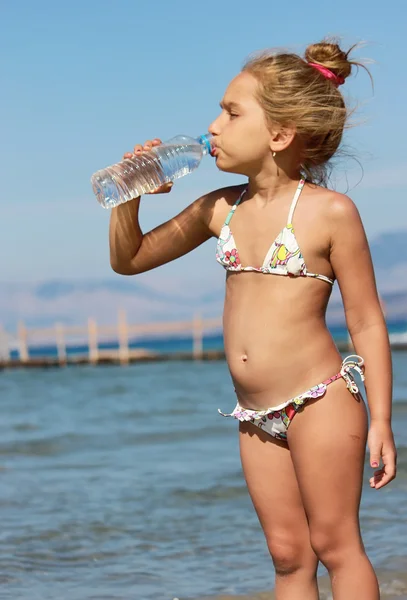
column 82, row 82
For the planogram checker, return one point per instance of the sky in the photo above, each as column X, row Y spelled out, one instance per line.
column 83, row 82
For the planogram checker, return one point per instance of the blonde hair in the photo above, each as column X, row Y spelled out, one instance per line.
column 294, row 93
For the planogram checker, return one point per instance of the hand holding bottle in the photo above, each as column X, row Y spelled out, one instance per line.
column 138, row 151
column 149, row 169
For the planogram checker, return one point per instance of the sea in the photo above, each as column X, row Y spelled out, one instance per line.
column 123, row 482
column 183, row 344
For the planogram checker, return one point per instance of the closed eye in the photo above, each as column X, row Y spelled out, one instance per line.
column 228, row 110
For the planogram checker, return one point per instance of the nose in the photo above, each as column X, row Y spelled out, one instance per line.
column 214, row 128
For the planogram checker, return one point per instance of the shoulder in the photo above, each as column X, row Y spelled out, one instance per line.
column 341, row 208
column 216, row 204
column 336, row 209
column 343, row 222
column 224, row 196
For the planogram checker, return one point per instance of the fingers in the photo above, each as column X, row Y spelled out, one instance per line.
column 375, row 453
column 386, row 474
column 147, row 145
column 164, row 189
column 139, row 148
column 376, row 478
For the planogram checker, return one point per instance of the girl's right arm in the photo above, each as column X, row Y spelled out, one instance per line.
column 133, row 252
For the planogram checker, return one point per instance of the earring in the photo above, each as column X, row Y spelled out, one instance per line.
column 274, row 153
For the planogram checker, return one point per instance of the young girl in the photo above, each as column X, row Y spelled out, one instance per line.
column 284, row 239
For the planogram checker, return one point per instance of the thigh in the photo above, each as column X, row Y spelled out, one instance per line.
column 273, row 488
column 327, row 440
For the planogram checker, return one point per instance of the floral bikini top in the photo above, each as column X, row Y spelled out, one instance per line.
column 284, row 256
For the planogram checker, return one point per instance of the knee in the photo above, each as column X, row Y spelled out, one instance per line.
column 335, row 544
column 290, row 556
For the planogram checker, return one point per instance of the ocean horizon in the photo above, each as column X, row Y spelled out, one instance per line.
column 182, row 343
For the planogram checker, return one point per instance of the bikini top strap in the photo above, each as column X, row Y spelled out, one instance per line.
column 295, row 200
column 236, row 204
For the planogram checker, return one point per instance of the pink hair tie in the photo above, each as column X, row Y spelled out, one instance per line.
column 336, row 79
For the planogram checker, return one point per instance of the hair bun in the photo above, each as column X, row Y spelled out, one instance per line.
column 329, row 54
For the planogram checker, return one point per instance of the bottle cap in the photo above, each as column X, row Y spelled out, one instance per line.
column 205, row 140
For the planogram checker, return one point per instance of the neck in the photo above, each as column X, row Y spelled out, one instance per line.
column 268, row 187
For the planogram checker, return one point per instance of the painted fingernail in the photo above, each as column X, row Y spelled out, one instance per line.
column 374, row 464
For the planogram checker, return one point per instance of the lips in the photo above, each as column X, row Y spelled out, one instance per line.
column 215, row 149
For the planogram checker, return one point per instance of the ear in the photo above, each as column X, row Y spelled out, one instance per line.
column 282, row 137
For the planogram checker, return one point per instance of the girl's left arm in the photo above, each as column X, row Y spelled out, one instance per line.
column 353, row 268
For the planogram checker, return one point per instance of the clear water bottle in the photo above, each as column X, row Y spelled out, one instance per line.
column 142, row 174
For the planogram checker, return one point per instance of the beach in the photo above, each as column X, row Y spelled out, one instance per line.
column 125, row 483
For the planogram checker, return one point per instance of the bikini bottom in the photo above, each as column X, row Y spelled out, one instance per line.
column 276, row 420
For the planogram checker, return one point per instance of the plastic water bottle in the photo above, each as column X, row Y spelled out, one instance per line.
column 142, row 174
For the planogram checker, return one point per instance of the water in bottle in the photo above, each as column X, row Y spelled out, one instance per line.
column 142, row 174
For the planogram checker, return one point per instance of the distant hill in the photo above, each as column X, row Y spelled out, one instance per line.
column 72, row 302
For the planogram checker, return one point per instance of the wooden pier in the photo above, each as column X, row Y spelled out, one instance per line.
column 93, row 335
column 123, row 334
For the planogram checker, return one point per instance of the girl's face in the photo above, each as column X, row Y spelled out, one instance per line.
column 241, row 135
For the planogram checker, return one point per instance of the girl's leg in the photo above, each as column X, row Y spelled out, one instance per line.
column 327, row 440
column 273, row 488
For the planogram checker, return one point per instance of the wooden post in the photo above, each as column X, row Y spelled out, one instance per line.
column 22, row 342
column 123, row 336
column 93, row 341
column 197, row 337
column 4, row 345
column 60, row 342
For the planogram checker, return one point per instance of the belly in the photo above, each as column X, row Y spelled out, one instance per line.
column 276, row 341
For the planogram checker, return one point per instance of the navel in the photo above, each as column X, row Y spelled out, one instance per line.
column 243, row 357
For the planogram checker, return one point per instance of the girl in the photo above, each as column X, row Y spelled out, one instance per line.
column 284, row 239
